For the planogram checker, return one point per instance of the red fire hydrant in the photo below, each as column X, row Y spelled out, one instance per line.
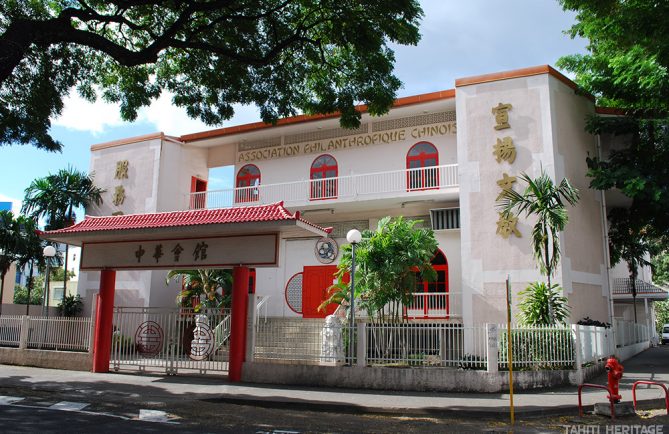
column 615, row 373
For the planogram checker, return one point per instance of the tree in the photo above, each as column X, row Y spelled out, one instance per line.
column 387, row 262
column 55, row 197
column 315, row 56
column 203, row 286
column 628, row 53
column 21, row 295
column 660, row 264
column 626, row 67
column 629, row 243
column 547, row 202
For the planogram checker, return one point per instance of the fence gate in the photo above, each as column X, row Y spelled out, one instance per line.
column 171, row 340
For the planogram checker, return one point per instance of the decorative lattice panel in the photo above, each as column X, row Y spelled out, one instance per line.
column 331, row 133
column 413, row 121
column 294, row 293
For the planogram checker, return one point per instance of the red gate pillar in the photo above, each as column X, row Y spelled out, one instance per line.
column 103, row 321
column 240, row 299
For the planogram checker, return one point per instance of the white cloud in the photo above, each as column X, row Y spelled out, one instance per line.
column 95, row 118
column 81, row 115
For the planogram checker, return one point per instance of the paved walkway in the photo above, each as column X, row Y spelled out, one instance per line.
column 652, row 364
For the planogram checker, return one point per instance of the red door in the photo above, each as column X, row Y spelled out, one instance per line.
column 315, row 283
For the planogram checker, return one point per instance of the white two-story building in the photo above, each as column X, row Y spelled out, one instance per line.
column 441, row 158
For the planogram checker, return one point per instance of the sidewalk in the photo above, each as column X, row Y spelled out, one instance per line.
column 652, row 364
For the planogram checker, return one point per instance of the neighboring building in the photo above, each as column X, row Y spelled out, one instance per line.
column 441, row 157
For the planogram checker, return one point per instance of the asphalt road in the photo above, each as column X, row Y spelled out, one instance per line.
column 29, row 408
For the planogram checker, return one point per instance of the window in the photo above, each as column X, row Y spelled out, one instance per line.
column 430, row 299
column 445, row 218
column 294, row 293
column 422, row 171
column 248, row 180
column 323, row 176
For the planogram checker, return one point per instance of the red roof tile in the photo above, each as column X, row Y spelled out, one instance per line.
column 247, row 214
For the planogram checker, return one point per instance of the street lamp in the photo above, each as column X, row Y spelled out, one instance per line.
column 353, row 237
column 49, row 252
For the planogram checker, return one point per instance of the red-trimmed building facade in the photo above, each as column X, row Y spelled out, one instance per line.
column 441, row 158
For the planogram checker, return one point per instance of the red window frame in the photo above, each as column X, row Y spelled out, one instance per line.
column 422, row 176
column 242, row 192
column 431, row 307
column 324, row 187
column 197, row 185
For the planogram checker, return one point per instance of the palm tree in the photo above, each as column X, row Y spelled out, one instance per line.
column 546, row 201
column 203, row 284
column 55, row 198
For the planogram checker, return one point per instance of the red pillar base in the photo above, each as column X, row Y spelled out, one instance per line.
column 103, row 321
column 240, row 300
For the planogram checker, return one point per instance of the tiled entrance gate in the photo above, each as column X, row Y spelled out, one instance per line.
column 170, row 340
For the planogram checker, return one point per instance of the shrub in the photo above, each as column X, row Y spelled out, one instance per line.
column 71, row 306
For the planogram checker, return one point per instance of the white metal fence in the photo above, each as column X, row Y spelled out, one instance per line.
column 170, row 339
column 629, row 333
column 60, row 333
column 378, row 184
column 595, row 343
column 541, row 347
column 46, row 333
column 381, row 344
column 425, row 344
column 284, row 340
column 10, row 330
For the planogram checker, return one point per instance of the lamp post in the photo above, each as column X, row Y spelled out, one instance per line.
column 353, row 237
column 49, row 252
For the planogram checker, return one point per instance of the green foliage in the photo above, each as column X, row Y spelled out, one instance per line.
column 627, row 68
column 55, row 196
column 72, row 305
column 387, row 261
column 628, row 52
column 21, row 295
column 203, row 284
column 660, row 264
column 661, row 315
column 547, row 202
column 536, row 301
column 314, row 56
column 58, row 274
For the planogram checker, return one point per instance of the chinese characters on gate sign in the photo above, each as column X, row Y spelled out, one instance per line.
column 199, row 252
column 504, row 150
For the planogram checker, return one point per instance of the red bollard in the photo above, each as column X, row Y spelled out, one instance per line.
column 651, row 383
column 615, row 373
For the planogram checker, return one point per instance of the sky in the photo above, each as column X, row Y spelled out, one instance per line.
column 459, row 39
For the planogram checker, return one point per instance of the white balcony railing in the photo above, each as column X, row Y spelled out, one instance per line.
column 434, row 305
column 395, row 183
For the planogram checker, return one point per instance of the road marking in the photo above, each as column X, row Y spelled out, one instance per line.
column 153, row 416
column 9, row 400
column 69, row 406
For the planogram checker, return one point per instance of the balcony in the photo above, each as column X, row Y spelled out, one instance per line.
column 434, row 305
column 422, row 183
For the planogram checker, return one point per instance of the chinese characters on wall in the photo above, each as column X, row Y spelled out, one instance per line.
column 504, row 150
column 119, row 191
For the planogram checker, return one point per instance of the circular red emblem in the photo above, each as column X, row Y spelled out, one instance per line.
column 149, row 338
